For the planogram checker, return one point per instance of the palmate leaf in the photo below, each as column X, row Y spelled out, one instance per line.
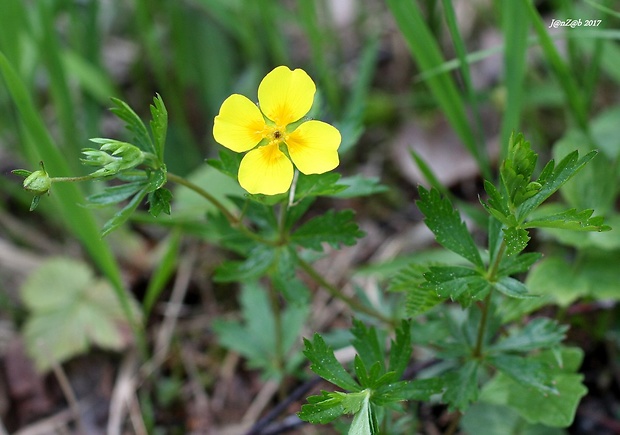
column 461, row 385
column 325, row 364
column 409, row 279
column 134, row 124
column 445, row 222
column 570, row 220
column 538, row 333
column 334, row 227
column 461, row 284
column 366, row 342
column 551, row 179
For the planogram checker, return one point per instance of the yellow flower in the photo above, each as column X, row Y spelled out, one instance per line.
column 284, row 97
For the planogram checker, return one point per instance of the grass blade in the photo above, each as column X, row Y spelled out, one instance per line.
column 426, row 51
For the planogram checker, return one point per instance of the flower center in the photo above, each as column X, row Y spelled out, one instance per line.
column 275, row 134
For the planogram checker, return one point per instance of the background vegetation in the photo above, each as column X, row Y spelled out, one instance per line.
column 422, row 91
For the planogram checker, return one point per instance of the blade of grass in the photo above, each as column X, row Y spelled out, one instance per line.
column 425, row 50
column 318, row 37
column 50, row 51
column 163, row 272
column 461, row 52
column 572, row 92
column 514, row 26
column 67, row 196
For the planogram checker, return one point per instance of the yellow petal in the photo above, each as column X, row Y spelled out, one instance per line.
column 313, row 147
column 266, row 170
column 285, row 96
column 239, row 125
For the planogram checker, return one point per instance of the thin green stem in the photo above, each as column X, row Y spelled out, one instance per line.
column 487, row 301
column 63, row 179
column 199, row 190
column 351, row 302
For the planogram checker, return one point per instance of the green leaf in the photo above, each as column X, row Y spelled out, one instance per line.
column 409, row 279
column 419, row 390
column 513, row 288
column 556, row 410
column 400, row 350
column 517, row 169
column 228, row 163
column 322, row 409
column 363, row 421
column 285, row 279
column 526, row 371
column 516, row 240
column 551, row 179
column 489, row 419
column 445, row 222
column 122, row 215
column 458, row 283
column 366, row 342
column 115, row 194
column 461, row 386
column 254, row 338
column 159, row 125
column 134, row 124
column 538, row 333
column 497, row 205
column 517, row 263
column 570, row 220
column 334, row 228
column 259, row 260
column 71, row 310
column 159, row 201
column 358, row 185
column 317, row 185
column 325, row 364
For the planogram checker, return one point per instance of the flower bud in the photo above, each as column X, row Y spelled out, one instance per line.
column 38, row 182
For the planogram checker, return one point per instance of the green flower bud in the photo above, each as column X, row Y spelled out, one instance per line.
column 113, row 156
column 38, row 182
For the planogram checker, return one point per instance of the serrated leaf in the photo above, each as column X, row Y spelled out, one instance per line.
column 400, row 350
column 513, row 288
column 526, row 371
column 419, row 390
column 325, row 364
column 122, row 215
column 461, row 386
column 497, row 205
column 334, row 228
column 516, row 240
column 538, row 333
column 134, row 124
column 258, row 261
column 517, row 169
column 359, row 185
column 317, row 185
column 159, row 201
column 409, row 279
column 458, row 283
column 322, row 409
column 570, row 220
column 366, row 342
column 115, row 194
column 445, row 222
column 360, row 371
column 71, row 310
column 551, row 179
column 159, row 125
column 517, row 263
